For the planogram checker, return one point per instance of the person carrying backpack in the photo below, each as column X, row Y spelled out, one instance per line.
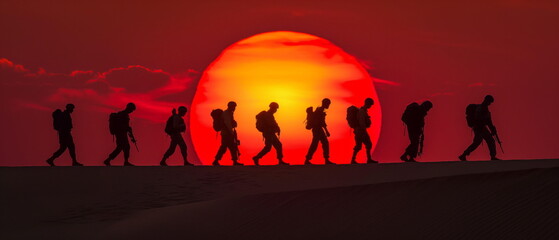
column 414, row 118
column 174, row 127
column 478, row 118
column 266, row 123
column 224, row 122
column 119, row 126
column 316, row 121
column 62, row 123
column 360, row 120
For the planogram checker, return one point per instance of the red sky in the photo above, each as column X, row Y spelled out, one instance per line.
column 101, row 54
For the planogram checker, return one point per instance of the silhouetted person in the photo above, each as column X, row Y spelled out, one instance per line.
column 266, row 123
column 414, row 118
column 119, row 125
column 361, row 135
column 62, row 123
column 319, row 132
column 479, row 119
column 228, row 135
column 174, row 127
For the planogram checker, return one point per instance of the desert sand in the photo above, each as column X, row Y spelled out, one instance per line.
column 513, row 199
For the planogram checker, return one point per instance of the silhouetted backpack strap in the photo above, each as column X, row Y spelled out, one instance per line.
column 471, row 112
column 217, row 117
column 57, row 120
column 311, row 118
column 261, row 124
column 352, row 116
column 411, row 113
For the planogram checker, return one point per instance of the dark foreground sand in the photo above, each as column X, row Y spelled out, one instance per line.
column 452, row 200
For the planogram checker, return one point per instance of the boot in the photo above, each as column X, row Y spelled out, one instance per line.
column 163, row 162
column 107, row 162
column 50, row 162
column 76, row 164
column 404, row 157
column 353, row 157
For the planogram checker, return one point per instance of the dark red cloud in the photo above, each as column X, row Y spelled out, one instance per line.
column 29, row 96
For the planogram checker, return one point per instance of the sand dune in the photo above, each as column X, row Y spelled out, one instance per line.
column 472, row 200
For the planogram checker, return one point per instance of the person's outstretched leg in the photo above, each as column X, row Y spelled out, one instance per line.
column 184, row 153
column 476, row 142
column 490, row 144
column 358, row 146
column 72, row 151
column 266, row 149
column 312, row 149
column 222, row 148
column 169, row 152
column 279, row 149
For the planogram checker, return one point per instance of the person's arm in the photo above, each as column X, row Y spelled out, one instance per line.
column 327, row 132
column 492, row 127
column 362, row 118
column 228, row 121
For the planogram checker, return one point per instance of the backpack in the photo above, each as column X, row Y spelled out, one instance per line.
column 115, row 123
column 57, row 120
column 261, row 121
column 351, row 117
column 471, row 112
column 217, row 117
column 169, row 126
column 411, row 113
column 311, row 119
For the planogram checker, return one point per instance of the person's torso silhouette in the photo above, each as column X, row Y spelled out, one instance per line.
column 414, row 118
column 62, row 123
column 174, row 127
column 320, row 132
column 228, row 134
column 361, row 135
column 119, row 126
column 266, row 123
column 479, row 119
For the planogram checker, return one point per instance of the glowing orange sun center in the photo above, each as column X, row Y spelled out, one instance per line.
column 296, row 70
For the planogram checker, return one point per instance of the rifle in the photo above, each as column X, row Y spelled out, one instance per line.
column 237, row 142
column 499, row 141
column 133, row 139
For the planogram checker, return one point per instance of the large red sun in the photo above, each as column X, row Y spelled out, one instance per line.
column 296, row 70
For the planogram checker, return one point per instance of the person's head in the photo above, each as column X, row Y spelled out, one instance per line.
column 427, row 105
column 488, row 100
column 70, row 107
column 273, row 107
column 182, row 111
column 232, row 106
column 369, row 102
column 326, row 103
column 130, row 107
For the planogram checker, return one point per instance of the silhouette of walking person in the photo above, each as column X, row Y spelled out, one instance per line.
column 266, row 123
column 227, row 125
column 316, row 121
column 478, row 118
column 119, row 125
column 414, row 118
column 362, row 122
column 62, row 123
column 174, row 127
